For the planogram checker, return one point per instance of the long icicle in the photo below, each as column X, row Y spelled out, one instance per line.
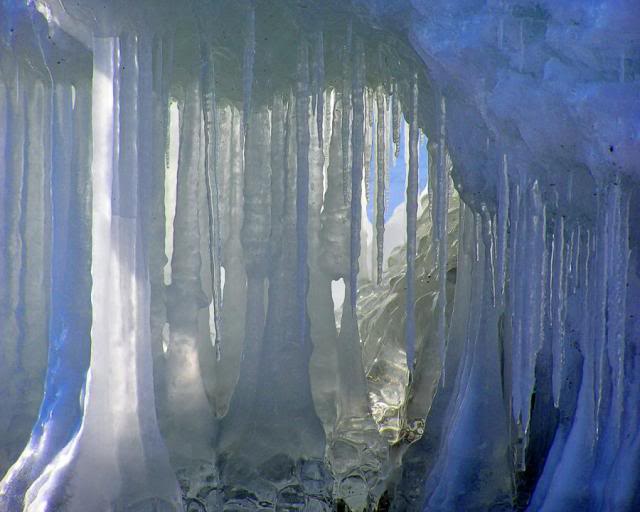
column 248, row 63
column 412, row 213
column 357, row 163
column 302, row 185
column 440, row 229
column 346, row 114
column 395, row 120
column 381, row 170
column 319, row 62
column 207, row 91
column 503, row 216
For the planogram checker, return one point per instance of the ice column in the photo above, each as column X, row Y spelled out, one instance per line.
column 118, row 438
column 190, row 419
column 70, row 293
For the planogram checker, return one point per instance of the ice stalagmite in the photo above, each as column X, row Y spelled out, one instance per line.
column 412, row 213
column 381, row 180
column 211, row 135
column 357, row 134
column 441, row 207
column 118, row 437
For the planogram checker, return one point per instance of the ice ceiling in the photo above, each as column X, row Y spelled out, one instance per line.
column 277, row 255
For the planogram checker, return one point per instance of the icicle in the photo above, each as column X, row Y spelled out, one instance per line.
column 557, row 304
column 302, row 186
column 356, row 169
column 533, row 300
column 503, row 217
column 248, row 63
column 209, row 114
column 395, row 119
column 381, row 171
column 412, row 213
column 368, row 141
column 441, row 198
column 347, row 113
column 319, row 62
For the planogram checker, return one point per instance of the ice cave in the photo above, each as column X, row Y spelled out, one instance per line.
column 319, row 255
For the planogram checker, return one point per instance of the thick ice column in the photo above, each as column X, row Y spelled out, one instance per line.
column 282, row 407
column 11, row 249
column 70, row 292
column 190, row 422
column 412, row 213
column 322, row 324
column 36, row 233
column 256, row 229
column 118, row 438
column 476, row 429
column 235, row 288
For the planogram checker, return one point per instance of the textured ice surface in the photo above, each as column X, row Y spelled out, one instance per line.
column 308, row 256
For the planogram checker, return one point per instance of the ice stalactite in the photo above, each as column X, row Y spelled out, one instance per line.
column 159, row 146
column 347, row 86
column 70, row 293
column 502, row 194
column 412, row 213
column 319, row 74
column 396, row 118
column 118, row 436
column 381, row 180
column 441, row 207
column 230, row 164
column 248, row 62
column 211, row 134
column 529, row 307
column 302, row 188
column 557, row 301
column 357, row 134
column 190, row 418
